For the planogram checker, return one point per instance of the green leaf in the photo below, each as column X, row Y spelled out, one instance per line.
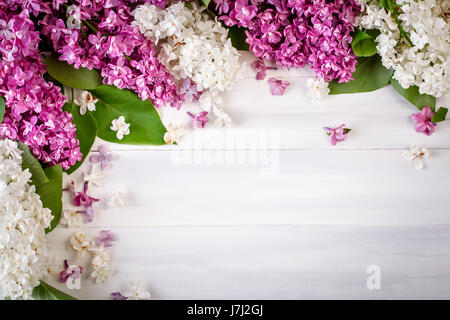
column 206, row 2
column 412, row 95
column 44, row 291
column 38, row 176
column 81, row 78
column 2, row 109
column 86, row 131
column 363, row 43
column 440, row 115
column 238, row 36
column 370, row 75
column 146, row 127
column 51, row 194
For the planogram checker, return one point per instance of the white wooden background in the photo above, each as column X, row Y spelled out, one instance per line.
column 308, row 230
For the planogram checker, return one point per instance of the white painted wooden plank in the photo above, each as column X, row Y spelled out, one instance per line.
column 380, row 119
column 273, row 262
column 365, row 187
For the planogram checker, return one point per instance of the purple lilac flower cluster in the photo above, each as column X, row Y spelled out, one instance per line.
column 33, row 112
column 104, row 39
column 158, row 3
column 295, row 32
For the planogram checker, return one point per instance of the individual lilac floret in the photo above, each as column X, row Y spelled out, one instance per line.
column 70, row 272
column 423, row 121
column 106, row 238
column 277, row 87
column 200, row 120
column 244, row 12
column 118, row 296
column 89, row 213
column 189, row 90
column 103, row 157
column 261, row 69
column 337, row 134
column 82, row 199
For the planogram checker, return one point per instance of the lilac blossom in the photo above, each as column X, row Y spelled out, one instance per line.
column 423, row 121
column 82, row 199
column 277, row 87
column 33, row 113
column 103, row 157
column 189, row 90
column 107, row 41
column 89, row 213
column 200, row 120
column 106, row 238
column 70, row 272
column 296, row 32
column 118, row 296
column 337, row 134
column 261, row 69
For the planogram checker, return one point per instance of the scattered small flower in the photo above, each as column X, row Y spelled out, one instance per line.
column 416, row 154
column 318, row 89
column 222, row 121
column 72, row 218
column 200, row 120
column 106, row 238
column 70, row 188
column 136, row 292
column 86, row 102
column 101, row 274
column 103, row 157
column 117, row 200
column 81, row 243
column 423, row 121
column 173, row 134
column 121, row 127
column 101, row 264
column 261, row 69
column 337, row 134
column 89, row 213
column 82, row 199
column 71, row 276
column 118, row 296
column 93, row 177
column 277, row 87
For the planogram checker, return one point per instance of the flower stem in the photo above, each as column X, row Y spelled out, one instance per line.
column 90, row 26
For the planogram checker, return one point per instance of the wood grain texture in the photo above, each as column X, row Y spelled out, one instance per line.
column 274, row 262
column 269, row 209
column 356, row 187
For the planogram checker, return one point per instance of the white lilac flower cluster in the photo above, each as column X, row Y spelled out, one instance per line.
column 425, row 61
column 193, row 46
column 23, row 220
